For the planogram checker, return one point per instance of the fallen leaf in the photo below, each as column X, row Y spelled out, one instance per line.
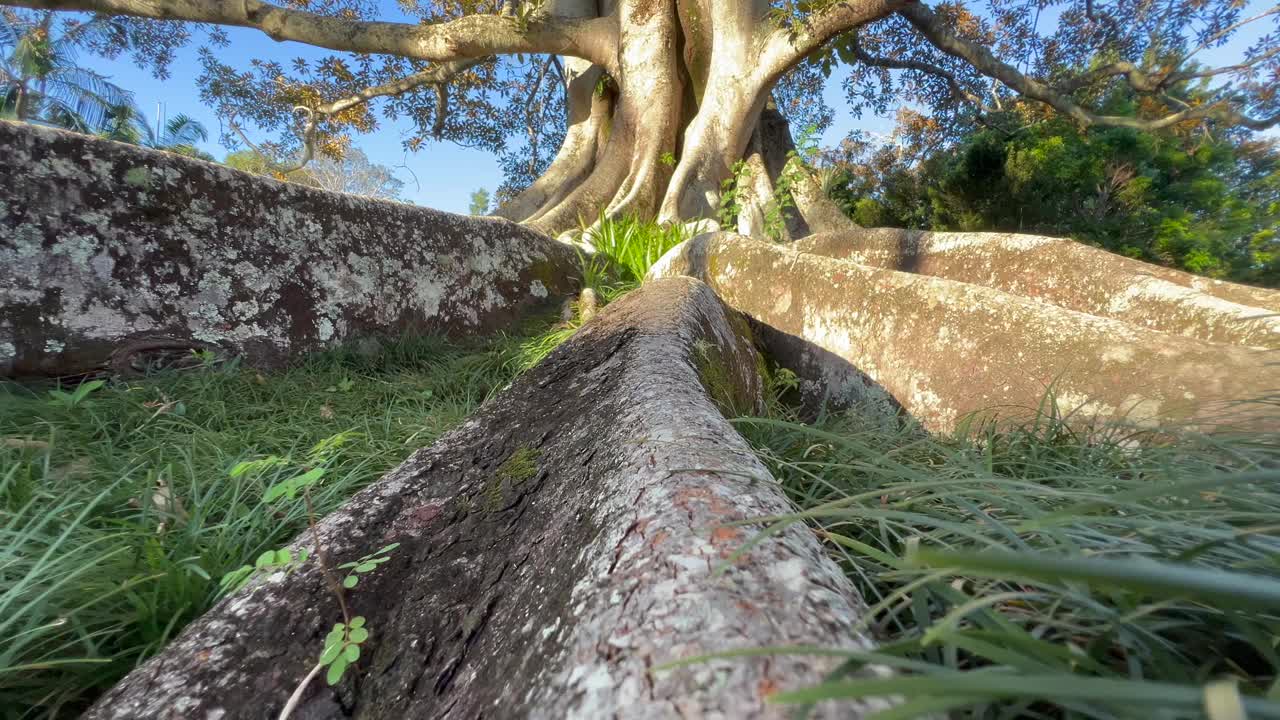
column 326, row 412
column 23, row 443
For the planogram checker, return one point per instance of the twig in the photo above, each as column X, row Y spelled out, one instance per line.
column 296, row 697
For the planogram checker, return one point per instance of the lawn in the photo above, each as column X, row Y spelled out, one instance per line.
column 119, row 515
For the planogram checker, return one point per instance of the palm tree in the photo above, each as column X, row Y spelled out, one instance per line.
column 39, row 79
column 126, row 123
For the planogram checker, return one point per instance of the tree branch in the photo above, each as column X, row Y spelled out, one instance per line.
column 919, row 65
column 434, row 75
column 470, row 36
column 935, row 29
column 786, row 46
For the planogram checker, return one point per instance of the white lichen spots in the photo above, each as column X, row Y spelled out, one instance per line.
column 102, row 265
column 1118, row 354
column 139, row 177
column 76, row 248
column 537, row 289
column 54, row 346
column 324, row 329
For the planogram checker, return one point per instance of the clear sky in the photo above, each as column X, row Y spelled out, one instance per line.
column 441, row 175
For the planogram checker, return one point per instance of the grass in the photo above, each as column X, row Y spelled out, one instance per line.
column 118, row 514
column 1035, row 572
column 625, row 249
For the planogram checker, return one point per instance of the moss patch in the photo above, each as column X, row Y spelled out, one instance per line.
column 512, row 473
column 714, row 376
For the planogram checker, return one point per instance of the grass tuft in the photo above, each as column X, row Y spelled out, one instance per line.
column 1029, row 572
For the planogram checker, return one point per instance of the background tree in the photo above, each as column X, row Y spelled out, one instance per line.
column 180, row 133
column 40, row 80
column 352, row 173
column 1201, row 202
column 479, row 202
column 641, row 81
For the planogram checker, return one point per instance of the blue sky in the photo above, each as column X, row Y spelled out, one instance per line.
column 441, row 175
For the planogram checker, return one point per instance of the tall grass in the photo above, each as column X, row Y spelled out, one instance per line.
column 628, row 247
column 625, row 249
column 1033, row 572
column 118, row 516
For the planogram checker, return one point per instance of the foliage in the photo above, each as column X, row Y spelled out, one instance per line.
column 1035, row 571
column 479, row 202
column 127, row 123
column 120, row 511
column 352, row 173
column 40, row 79
column 1205, row 204
column 355, row 174
column 622, row 252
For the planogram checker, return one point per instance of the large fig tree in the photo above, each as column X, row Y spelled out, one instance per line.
column 654, row 101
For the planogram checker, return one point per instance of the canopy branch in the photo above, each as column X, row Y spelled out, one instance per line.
column 469, row 36
column 937, row 31
column 956, row 87
column 788, row 45
column 434, row 75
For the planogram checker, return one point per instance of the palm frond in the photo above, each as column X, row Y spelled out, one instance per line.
column 182, row 129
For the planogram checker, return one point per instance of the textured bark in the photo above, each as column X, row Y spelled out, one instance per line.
column 551, row 591
column 943, row 350
column 106, row 246
column 1071, row 275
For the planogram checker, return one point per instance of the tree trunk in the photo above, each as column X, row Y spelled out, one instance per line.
column 553, row 550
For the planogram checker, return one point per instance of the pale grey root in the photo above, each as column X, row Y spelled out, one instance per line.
column 552, row 591
column 108, row 248
column 939, row 350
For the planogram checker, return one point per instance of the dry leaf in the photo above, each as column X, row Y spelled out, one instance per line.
column 326, row 412
column 23, row 443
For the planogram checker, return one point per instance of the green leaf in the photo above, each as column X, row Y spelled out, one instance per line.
column 330, row 653
column 336, row 669
column 357, row 621
column 358, row 635
column 283, row 557
column 1221, row 587
column 350, row 581
column 366, row 567
column 388, row 549
column 265, row 559
column 352, row 653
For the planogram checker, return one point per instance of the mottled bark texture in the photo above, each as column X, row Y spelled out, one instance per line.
column 1071, row 275
column 941, row 350
column 106, row 247
column 554, row 549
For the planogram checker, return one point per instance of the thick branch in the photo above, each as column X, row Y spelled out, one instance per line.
column 431, row 76
column 936, row 30
column 957, row 89
column 467, row 37
column 786, row 46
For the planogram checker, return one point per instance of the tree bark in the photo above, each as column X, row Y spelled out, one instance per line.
column 941, row 350
column 553, row 550
column 1071, row 275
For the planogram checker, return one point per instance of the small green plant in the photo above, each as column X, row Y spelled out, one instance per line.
column 342, row 648
column 799, row 162
column 343, row 385
column 364, row 565
column 75, row 398
column 342, row 645
column 668, row 158
column 525, row 13
column 730, row 187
